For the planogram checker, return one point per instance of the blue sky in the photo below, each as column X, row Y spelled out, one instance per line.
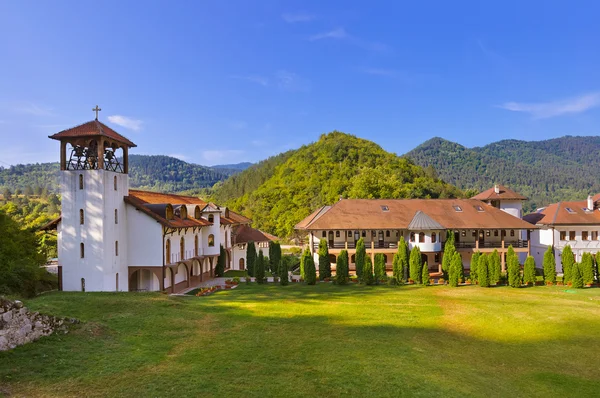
column 231, row 81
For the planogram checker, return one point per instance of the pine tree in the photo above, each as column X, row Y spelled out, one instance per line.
column 275, row 257
column 529, row 271
column 306, row 254
column 576, row 276
column 250, row 258
column 341, row 268
column 514, row 270
column 284, row 276
column 483, row 271
column 448, row 255
column 400, row 261
column 367, row 273
column 473, row 268
column 495, row 269
column 587, row 268
column 360, row 255
column 324, row 264
column 220, row 268
column 310, row 272
column 568, row 259
column 425, row 274
column 415, row 264
column 379, row 270
column 260, row 268
column 454, row 271
column 549, row 266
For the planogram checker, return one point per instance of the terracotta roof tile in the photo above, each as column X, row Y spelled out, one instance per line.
column 565, row 213
column 90, row 129
column 504, row 193
column 245, row 234
column 157, row 197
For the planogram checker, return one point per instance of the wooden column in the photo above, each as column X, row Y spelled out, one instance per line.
column 372, row 249
column 63, row 155
column 477, row 239
column 100, row 155
column 125, row 159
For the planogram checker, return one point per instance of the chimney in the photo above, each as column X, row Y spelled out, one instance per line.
column 590, row 203
column 496, row 189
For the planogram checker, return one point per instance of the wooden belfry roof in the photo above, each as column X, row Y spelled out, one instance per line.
column 503, row 193
column 92, row 128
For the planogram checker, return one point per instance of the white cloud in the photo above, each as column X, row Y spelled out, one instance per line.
column 215, row 156
column 263, row 81
column 127, row 122
column 33, row 109
column 339, row 33
column 545, row 110
column 298, row 17
column 290, row 81
column 179, row 156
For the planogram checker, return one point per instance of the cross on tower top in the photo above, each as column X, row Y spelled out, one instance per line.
column 96, row 109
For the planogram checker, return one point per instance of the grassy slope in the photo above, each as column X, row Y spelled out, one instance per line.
column 325, row 341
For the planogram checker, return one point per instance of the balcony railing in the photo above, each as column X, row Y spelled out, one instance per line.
column 520, row 244
column 352, row 245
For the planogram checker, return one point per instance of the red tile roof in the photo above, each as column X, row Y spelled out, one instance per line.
column 245, row 234
column 557, row 214
column 503, row 193
column 91, row 129
column 350, row 214
column 158, row 197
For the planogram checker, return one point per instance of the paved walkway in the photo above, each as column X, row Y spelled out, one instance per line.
column 219, row 282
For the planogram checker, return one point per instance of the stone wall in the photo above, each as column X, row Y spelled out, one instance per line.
column 20, row 326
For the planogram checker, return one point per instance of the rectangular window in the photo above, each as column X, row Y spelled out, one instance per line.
column 349, row 234
column 563, row 235
column 437, row 257
column 496, row 232
column 571, row 235
column 512, row 232
column 364, row 234
column 387, row 234
column 324, row 234
column 594, row 235
column 80, row 181
column 81, row 217
column 116, row 248
column 116, row 216
column 584, row 235
column 337, row 234
column 81, row 250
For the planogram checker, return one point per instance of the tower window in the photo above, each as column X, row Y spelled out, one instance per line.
column 116, row 248
column 115, row 182
column 81, row 250
column 116, row 216
column 433, row 237
column 81, row 217
column 421, row 237
column 211, row 240
column 211, row 218
column 80, row 181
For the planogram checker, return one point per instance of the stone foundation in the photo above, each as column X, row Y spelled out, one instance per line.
column 19, row 326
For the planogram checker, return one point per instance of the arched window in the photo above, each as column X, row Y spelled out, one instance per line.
column 421, row 237
column 81, row 250
column 116, row 216
column 117, row 282
column 83, row 284
column 196, row 245
column 168, row 252
column 80, row 181
column 211, row 218
column 81, row 217
column 169, row 212
column 197, row 213
column 242, row 265
column 412, row 236
column 116, row 248
column 433, row 237
column 115, row 182
column 211, row 240
column 183, row 212
column 182, row 248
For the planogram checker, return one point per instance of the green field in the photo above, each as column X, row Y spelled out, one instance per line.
column 322, row 340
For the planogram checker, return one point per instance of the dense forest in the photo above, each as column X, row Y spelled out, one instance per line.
column 282, row 190
column 155, row 172
column 545, row 171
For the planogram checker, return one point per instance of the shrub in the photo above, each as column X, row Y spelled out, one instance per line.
column 483, row 271
column 576, row 276
column 514, row 270
column 220, row 267
column 415, row 264
column 342, row 273
column 250, row 258
column 473, row 268
column 324, row 264
column 260, row 268
column 367, row 272
column 379, row 267
column 305, row 254
column 400, row 262
column 454, row 271
column 310, row 272
column 494, row 267
column 567, row 260
column 425, row 274
column 587, row 268
column 529, row 270
column 549, row 266
column 361, row 253
column 274, row 257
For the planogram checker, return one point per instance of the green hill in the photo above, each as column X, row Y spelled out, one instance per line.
column 155, row 172
column 545, row 171
column 281, row 191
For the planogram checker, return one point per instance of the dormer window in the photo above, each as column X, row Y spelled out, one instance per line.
column 169, row 212
column 569, row 210
column 588, row 211
column 385, row 208
column 183, row 212
column 479, row 208
column 457, row 208
column 197, row 213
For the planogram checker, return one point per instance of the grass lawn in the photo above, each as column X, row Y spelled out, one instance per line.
column 322, row 340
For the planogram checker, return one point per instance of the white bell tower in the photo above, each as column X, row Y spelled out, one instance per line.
column 92, row 234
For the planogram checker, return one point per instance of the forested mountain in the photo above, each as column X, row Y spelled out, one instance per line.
column 236, row 166
column 281, row 191
column 155, row 172
column 547, row 171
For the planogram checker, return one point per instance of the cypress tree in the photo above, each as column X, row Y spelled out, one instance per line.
column 415, row 264
column 597, row 266
column 425, row 274
column 568, row 259
column 495, row 267
column 549, row 266
column 587, row 268
column 529, row 270
column 324, row 264
column 260, row 268
column 220, row 267
column 514, row 271
column 448, row 255
column 379, row 267
column 306, row 254
column 360, row 255
column 284, row 276
column 274, row 257
column 341, row 268
column 250, row 258
column 367, row 273
column 473, row 268
column 454, row 271
column 400, row 261
column 576, row 276
column 310, row 272
column 483, row 271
